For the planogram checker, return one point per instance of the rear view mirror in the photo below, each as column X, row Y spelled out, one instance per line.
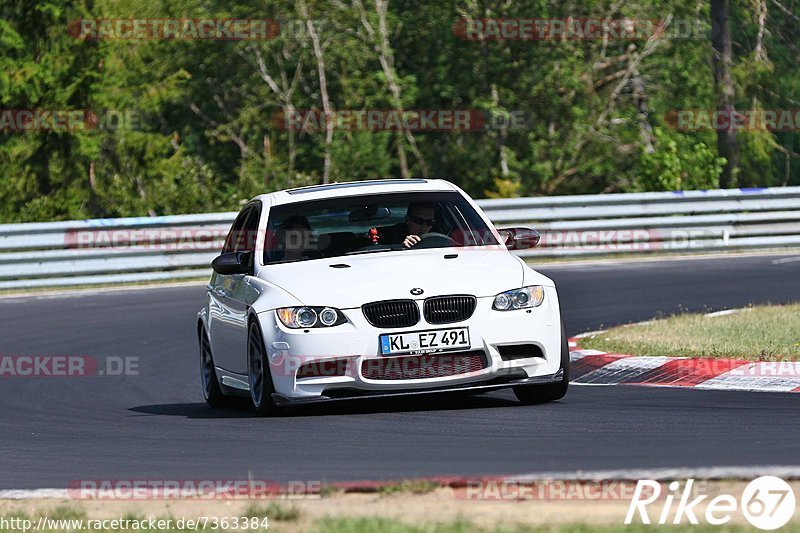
column 369, row 212
column 519, row 238
column 233, row 263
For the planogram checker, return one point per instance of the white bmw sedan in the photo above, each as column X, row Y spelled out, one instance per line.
column 375, row 289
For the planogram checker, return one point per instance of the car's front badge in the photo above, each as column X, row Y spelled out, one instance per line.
column 416, row 291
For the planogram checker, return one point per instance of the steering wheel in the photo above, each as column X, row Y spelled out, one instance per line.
column 434, row 240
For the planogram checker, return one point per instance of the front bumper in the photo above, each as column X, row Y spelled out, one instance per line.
column 358, row 341
column 356, row 394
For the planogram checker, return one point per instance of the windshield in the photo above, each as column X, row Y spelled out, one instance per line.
column 377, row 223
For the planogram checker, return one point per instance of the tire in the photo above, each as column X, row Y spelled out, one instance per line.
column 208, row 375
column 533, row 394
column 258, row 374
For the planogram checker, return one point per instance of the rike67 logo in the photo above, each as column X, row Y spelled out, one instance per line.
column 767, row 502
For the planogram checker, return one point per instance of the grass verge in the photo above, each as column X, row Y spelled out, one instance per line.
column 762, row 333
column 275, row 511
column 414, row 486
column 443, row 510
column 372, row 524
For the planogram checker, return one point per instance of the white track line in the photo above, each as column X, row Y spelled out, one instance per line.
column 786, row 260
column 712, row 472
column 72, row 293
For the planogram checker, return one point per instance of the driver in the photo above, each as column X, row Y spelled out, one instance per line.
column 420, row 218
column 293, row 237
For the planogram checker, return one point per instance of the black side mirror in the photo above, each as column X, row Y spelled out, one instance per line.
column 519, row 238
column 233, row 263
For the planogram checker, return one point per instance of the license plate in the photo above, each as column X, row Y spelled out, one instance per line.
column 430, row 341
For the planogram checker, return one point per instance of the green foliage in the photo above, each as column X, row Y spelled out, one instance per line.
column 275, row 511
column 678, row 162
column 207, row 132
column 503, row 188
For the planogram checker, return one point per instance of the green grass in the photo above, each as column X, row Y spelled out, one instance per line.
column 414, row 486
column 763, row 333
column 277, row 511
column 329, row 490
column 66, row 512
column 384, row 525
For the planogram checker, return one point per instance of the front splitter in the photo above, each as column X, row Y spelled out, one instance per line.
column 282, row 400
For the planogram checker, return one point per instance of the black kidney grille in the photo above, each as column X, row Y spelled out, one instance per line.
column 392, row 313
column 448, row 309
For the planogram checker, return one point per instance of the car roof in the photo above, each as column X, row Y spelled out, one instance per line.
column 355, row 188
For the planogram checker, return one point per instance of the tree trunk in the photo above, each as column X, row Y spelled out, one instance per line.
column 727, row 146
column 640, row 100
column 93, row 205
column 760, row 51
column 323, row 89
column 386, row 59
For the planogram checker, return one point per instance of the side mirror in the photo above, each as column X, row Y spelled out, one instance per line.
column 519, row 238
column 233, row 263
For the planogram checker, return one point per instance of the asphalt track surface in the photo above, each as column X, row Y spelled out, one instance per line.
column 155, row 426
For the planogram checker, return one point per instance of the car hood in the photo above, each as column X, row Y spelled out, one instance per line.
column 392, row 275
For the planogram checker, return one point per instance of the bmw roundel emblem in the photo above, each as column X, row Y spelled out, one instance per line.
column 416, row 291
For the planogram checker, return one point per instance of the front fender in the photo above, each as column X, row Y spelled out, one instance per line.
column 202, row 315
column 266, row 296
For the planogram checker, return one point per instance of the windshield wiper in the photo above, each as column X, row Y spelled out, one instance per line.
column 282, row 261
column 369, row 251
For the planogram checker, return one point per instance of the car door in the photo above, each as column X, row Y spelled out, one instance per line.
column 228, row 296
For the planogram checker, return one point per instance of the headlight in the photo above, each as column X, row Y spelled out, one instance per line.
column 328, row 316
column 310, row 317
column 523, row 298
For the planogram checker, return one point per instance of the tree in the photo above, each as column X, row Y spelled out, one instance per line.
column 723, row 82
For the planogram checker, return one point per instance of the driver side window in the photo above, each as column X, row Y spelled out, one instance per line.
column 250, row 231
column 236, row 233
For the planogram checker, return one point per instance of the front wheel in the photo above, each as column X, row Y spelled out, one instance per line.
column 208, row 375
column 259, row 377
column 532, row 394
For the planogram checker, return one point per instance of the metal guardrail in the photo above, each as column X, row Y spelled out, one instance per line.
column 124, row 250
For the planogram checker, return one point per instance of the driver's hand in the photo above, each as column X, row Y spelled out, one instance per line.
column 411, row 240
